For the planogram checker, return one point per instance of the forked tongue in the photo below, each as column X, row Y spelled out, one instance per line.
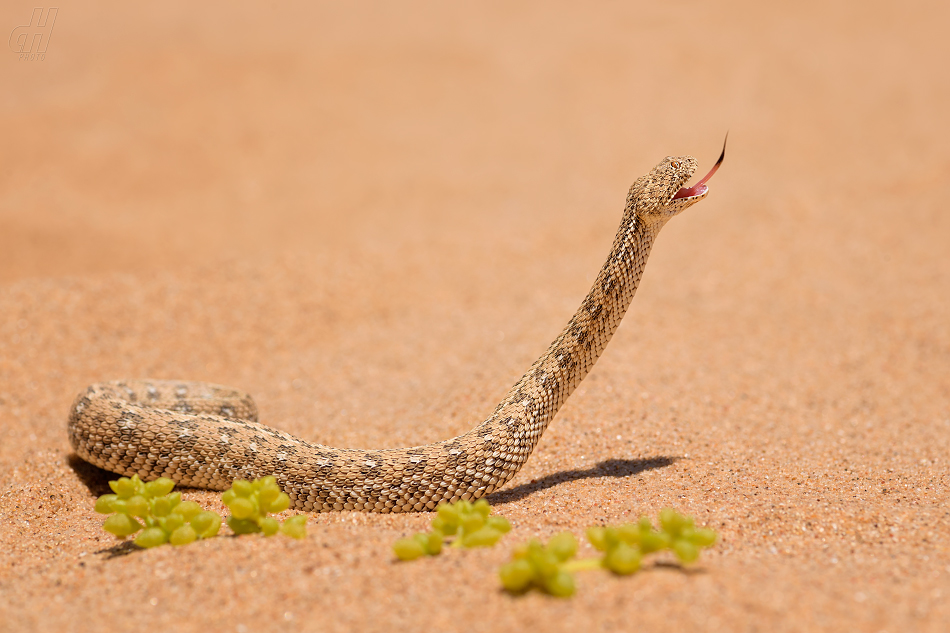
column 700, row 187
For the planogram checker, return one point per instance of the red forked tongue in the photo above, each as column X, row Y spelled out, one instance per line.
column 700, row 187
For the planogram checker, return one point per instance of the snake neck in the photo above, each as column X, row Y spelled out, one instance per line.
column 531, row 404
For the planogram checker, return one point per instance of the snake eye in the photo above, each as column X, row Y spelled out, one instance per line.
column 675, row 164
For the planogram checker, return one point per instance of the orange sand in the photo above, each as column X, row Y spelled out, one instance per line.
column 374, row 217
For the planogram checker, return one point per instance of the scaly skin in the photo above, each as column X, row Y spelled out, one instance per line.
column 206, row 436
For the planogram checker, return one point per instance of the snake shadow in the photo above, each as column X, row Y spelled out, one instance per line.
column 95, row 479
column 607, row 468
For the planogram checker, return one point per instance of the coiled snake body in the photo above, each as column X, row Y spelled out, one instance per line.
column 207, row 436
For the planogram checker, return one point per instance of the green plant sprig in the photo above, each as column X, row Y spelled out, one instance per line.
column 624, row 545
column 160, row 516
column 251, row 501
column 544, row 567
column 548, row 568
column 158, row 512
column 472, row 525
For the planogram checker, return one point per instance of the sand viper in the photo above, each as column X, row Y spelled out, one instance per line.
column 207, row 436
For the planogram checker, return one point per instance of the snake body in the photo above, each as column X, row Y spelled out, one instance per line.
column 206, row 436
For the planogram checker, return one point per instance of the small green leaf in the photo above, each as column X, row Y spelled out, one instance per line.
column 152, row 537
column 704, row 537
column 242, row 508
column 104, row 504
column 563, row 546
column 161, row 506
column 560, row 585
column 622, row 559
column 183, row 536
column 598, row 537
column 516, row 576
column 472, row 522
column 159, row 488
column 629, row 534
column 172, row 522
column 433, row 545
column 121, row 525
column 482, row 507
column 545, row 563
column 281, row 503
column 242, row 488
column 482, row 537
column 685, row 551
column 187, row 509
column 124, row 487
column 269, row 526
column 500, row 523
column 206, row 524
column 266, row 496
column 137, row 506
column 295, row 526
column 242, row 526
column 448, row 513
column 408, row 549
column 654, row 542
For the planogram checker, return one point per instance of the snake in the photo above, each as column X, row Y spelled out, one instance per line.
column 203, row 435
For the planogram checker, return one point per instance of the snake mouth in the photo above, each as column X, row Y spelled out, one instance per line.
column 700, row 188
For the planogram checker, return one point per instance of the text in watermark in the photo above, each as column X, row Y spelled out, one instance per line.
column 30, row 41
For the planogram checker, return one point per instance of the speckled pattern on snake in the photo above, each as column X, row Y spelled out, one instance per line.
column 206, row 436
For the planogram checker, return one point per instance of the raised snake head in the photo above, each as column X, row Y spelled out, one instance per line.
column 661, row 194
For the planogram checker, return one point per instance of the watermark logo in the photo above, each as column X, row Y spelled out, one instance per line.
column 30, row 41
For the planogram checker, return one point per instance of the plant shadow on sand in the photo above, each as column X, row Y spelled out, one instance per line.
column 606, row 468
column 122, row 548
